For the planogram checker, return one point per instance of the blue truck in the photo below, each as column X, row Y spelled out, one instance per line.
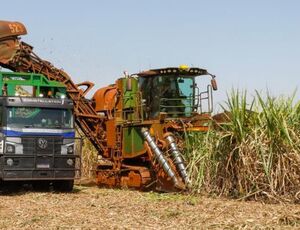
column 37, row 133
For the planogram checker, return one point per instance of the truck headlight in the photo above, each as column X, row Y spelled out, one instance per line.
column 10, row 148
column 10, row 162
column 70, row 149
column 68, row 146
column 70, row 162
column 1, row 146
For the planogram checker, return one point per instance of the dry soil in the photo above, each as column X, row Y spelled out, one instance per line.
column 98, row 208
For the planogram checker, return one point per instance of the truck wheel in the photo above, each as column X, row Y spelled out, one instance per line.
column 63, row 185
column 11, row 186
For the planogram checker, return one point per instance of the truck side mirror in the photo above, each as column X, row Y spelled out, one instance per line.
column 214, row 84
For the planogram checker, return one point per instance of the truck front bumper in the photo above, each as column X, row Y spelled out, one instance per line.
column 39, row 167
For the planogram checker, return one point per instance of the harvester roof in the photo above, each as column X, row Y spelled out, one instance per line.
column 182, row 70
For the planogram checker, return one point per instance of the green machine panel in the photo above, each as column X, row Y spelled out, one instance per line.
column 130, row 90
column 133, row 142
column 30, row 85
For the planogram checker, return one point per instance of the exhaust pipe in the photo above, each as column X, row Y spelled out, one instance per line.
column 177, row 158
column 159, row 156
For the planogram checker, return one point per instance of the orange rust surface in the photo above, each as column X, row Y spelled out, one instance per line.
column 132, row 177
column 111, row 134
column 8, row 49
column 105, row 98
column 132, row 180
column 89, row 85
column 9, row 43
column 198, row 129
column 104, row 178
column 8, row 29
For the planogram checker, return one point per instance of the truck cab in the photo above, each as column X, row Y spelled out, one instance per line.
column 37, row 133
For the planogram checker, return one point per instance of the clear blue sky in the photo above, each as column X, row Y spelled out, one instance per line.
column 247, row 44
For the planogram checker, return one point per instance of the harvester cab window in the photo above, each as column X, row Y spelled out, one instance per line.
column 187, row 94
column 150, row 94
column 176, row 96
column 169, row 88
column 171, row 94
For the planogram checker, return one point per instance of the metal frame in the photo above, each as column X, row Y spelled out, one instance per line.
column 206, row 95
column 196, row 106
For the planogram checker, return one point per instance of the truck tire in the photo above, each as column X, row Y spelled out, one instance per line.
column 63, row 185
column 11, row 186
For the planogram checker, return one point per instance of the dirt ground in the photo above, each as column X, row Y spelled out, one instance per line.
column 98, row 208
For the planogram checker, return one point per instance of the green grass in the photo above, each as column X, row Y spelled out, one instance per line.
column 253, row 155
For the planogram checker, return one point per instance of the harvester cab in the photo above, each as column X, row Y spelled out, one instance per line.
column 174, row 92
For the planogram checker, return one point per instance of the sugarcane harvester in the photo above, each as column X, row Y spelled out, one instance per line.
column 136, row 125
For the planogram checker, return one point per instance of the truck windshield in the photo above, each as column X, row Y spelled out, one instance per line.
column 32, row 117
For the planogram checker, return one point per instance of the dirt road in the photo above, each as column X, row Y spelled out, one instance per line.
column 94, row 208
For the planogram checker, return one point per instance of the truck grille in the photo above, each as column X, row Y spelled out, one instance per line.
column 42, row 145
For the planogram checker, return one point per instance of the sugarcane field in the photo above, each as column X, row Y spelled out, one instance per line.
column 149, row 115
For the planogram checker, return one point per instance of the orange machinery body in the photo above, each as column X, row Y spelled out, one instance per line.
column 124, row 125
column 105, row 99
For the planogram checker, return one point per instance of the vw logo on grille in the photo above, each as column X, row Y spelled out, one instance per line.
column 42, row 143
